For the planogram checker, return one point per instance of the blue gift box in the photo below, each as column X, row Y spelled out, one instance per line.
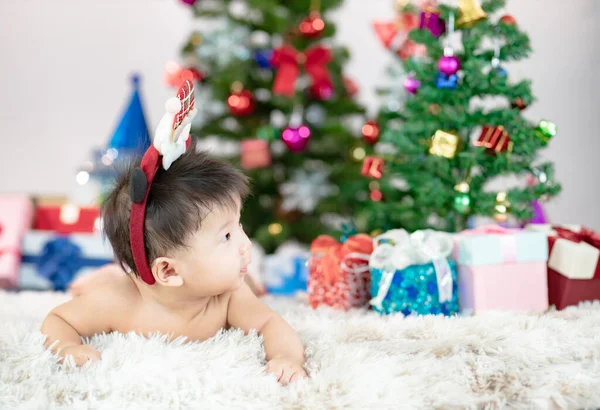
column 411, row 273
column 51, row 262
column 415, row 290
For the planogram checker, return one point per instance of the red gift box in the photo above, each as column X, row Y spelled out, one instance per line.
column 339, row 274
column 573, row 264
column 66, row 218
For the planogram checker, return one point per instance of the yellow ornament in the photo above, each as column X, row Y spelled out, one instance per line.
column 502, row 207
column 196, row 39
column 275, row 229
column 444, row 144
column 358, row 154
column 470, row 13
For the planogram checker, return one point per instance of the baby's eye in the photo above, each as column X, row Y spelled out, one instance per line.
column 226, row 238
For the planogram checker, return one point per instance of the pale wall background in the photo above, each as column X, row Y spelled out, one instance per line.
column 65, row 66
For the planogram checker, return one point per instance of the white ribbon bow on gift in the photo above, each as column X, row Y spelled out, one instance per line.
column 396, row 250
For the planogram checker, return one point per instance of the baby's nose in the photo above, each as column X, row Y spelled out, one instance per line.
column 245, row 248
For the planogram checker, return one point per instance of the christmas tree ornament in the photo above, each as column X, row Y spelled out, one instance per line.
column 254, row 154
column 296, row 138
column 502, row 207
column 434, row 109
column 351, row 86
column 376, row 195
column 444, row 144
column 196, row 39
column 372, row 167
column 287, row 60
column 470, row 13
column 275, row 229
column 263, row 58
column 305, row 190
column 508, row 20
column 312, row 26
column 240, row 101
column 411, row 84
column 321, row 91
column 430, row 19
column 267, row 133
column 315, row 114
column 462, row 198
column 494, row 139
column 448, row 64
column 225, row 45
column 518, row 103
column 497, row 69
column 545, row 130
column 189, row 2
column 394, row 36
column 297, row 135
column 175, row 75
column 370, row 132
column 358, row 154
column 444, row 81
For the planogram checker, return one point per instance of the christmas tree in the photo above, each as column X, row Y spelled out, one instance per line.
column 461, row 129
column 271, row 87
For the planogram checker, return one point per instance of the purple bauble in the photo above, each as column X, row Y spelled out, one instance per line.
column 448, row 65
column 189, row 2
column 296, row 139
column 411, row 84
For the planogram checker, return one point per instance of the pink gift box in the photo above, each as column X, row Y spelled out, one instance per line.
column 502, row 269
column 514, row 286
column 16, row 212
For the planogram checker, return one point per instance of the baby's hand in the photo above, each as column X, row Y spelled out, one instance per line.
column 81, row 353
column 285, row 369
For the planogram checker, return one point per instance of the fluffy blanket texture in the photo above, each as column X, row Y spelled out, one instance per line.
column 357, row 360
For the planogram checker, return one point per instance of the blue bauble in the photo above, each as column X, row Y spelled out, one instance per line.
column 263, row 58
column 446, row 81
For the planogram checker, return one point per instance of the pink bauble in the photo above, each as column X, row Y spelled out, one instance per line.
column 448, row 65
column 296, row 139
column 411, row 84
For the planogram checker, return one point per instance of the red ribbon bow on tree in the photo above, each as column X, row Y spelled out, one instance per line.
column 287, row 61
column 584, row 235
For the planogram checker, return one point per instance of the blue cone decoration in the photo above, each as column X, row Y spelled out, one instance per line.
column 131, row 135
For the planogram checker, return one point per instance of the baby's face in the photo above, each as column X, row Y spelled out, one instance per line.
column 219, row 253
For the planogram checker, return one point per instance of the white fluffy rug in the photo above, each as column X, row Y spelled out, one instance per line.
column 356, row 360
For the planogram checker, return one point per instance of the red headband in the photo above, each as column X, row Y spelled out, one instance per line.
column 171, row 140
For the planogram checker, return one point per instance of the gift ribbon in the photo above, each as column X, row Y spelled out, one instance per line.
column 396, row 250
column 287, row 61
column 335, row 256
column 508, row 242
column 60, row 260
column 584, row 235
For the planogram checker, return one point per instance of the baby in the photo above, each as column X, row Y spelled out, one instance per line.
column 193, row 283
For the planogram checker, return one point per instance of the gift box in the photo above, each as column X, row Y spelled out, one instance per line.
column 412, row 274
column 66, row 218
column 16, row 212
column 51, row 262
column 502, row 269
column 573, row 264
column 286, row 271
column 339, row 274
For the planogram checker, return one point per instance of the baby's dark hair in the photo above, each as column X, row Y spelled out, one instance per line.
column 179, row 200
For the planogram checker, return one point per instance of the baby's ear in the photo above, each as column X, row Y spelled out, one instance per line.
column 165, row 272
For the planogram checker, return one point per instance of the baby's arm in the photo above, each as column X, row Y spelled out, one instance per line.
column 284, row 350
column 84, row 316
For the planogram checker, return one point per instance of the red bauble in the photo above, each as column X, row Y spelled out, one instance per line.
column 376, row 195
column 351, row 86
column 508, row 20
column 370, row 132
column 312, row 26
column 241, row 102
